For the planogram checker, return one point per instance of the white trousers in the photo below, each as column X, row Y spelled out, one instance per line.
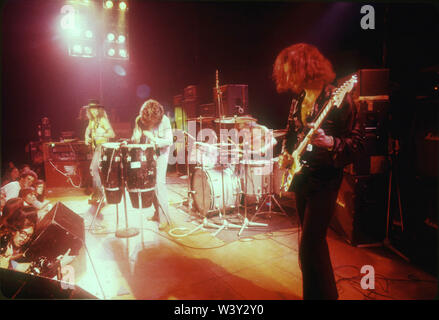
column 160, row 202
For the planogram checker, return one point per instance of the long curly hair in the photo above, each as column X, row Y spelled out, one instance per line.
column 150, row 114
column 20, row 219
column 301, row 66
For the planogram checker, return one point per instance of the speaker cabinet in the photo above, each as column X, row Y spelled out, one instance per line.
column 60, row 229
column 190, row 107
column 66, row 174
column 360, row 213
column 207, row 110
column 234, row 98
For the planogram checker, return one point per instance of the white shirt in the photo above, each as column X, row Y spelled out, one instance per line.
column 12, row 190
column 163, row 134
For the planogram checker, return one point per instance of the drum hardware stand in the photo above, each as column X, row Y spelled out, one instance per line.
column 270, row 198
column 247, row 223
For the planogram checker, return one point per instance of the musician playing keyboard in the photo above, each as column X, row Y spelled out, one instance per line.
column 302, row 69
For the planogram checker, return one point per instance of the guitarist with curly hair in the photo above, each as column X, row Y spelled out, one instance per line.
column 325, row 133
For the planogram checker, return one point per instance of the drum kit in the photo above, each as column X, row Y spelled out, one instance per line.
column 132, row 168
column 224, row 180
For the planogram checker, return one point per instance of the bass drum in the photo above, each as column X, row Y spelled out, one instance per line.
column 140, row 169
column 208, row 189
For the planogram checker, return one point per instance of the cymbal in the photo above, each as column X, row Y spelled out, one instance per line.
column 201, row 118
column 233, row 120
column 279, row 133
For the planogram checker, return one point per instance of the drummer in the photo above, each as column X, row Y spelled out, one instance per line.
column 152, row 126
column 259, row 143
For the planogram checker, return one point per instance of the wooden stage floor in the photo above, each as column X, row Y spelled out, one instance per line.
column 261, row 264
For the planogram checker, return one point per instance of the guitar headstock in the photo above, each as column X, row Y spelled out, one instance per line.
column 341, row 91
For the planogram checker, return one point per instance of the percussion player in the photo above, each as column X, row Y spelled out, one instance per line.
column 152, row 126
column 98, row 131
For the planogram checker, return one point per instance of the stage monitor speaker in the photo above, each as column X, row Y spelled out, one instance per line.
column 234, row 99
column 20, row 285
column 360, row 213
column 60, row 229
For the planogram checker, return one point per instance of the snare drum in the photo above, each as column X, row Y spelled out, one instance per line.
column 139, row 168
column 208, row 189
column 110, row 172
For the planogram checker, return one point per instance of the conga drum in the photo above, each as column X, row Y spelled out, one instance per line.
column 139, row 167
column 110, row 172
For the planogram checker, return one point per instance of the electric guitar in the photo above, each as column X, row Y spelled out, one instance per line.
column 335, row 101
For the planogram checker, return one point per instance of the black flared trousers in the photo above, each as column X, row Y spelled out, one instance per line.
column 315, row 210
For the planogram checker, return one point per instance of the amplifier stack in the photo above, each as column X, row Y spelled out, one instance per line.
column 66, row 163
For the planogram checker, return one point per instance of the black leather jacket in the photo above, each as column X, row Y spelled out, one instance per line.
column 345, row 124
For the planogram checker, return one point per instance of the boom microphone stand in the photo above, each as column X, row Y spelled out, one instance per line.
column 246, row 222
column 225, row 224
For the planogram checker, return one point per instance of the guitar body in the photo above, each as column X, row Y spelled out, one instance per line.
column 288, row 176
column 296, row 157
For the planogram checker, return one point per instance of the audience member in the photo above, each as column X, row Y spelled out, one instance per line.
column 12, row 189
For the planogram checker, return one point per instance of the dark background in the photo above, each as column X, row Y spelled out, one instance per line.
column 175, row 44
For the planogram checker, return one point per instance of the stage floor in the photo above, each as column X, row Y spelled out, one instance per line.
column 261, row 264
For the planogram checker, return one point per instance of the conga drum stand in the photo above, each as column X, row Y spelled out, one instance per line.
column 126, row 232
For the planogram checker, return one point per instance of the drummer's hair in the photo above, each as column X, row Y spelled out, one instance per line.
column 151, row 110
column 301, row 66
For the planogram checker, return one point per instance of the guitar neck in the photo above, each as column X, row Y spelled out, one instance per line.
column 317, row 123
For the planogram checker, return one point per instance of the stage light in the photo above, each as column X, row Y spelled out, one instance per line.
column 88, row 51
column 77, row 49
column 123, row 53
column 110, row 37
column 122, row 6
column 89, row 34
column 108, row 4
column 121, row 38
column 111, row 52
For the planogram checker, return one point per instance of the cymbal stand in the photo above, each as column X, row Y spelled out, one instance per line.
column 226, row 224
column 246, row 222
column 270, row 198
